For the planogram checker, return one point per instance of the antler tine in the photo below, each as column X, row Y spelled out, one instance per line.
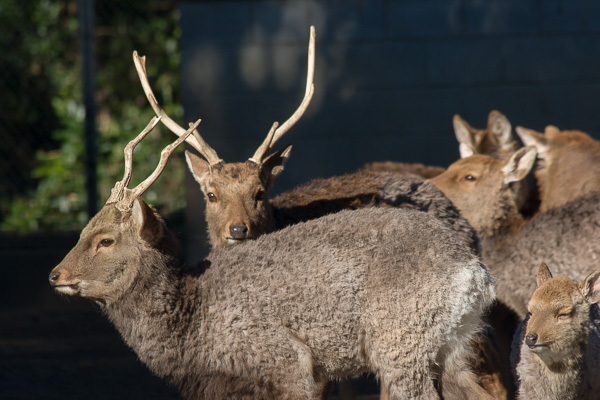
column 131, row 194
column 272, row 138
column 116, row 193
column 195, row 141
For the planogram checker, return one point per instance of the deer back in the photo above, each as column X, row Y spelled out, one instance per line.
column 565, row 237
column 370, row 188
column 568, row 164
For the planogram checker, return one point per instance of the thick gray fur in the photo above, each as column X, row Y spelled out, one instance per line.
column 567, row 238
column 384, row 290
column 369, row 188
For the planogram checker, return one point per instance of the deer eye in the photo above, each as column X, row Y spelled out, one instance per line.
column 468, row 177
column 563, row 315
column 211, row 197
column 260, row 195
column 105, row 242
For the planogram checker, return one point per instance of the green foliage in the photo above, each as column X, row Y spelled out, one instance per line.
column 51, row 195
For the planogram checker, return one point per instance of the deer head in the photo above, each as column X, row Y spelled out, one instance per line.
column 237, row 207
column 496, row 140
column 558, row 315
column 113, row 245
column 482, row 187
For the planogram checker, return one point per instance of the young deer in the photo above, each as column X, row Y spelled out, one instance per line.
column 280, row 316
column 556, row 351
column 568, row 164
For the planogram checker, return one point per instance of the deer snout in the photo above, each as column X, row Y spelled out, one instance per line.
column 62, row 282
column 238, row 231
column 53, row 278
column 531, row 340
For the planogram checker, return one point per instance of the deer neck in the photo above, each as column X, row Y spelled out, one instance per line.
column 562, row 376
column 157, row 315
column 505, row 219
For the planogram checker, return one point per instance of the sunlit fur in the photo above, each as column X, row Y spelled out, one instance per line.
column 380, row 289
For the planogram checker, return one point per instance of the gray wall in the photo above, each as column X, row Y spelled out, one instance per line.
column 390, row 75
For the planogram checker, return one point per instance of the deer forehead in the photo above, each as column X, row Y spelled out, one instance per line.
column 235, row 176
column 478, row 164
column 555, row 294
column 108, row 218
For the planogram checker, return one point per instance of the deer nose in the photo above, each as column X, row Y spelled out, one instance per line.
column 531, row 340
column 238, row 231
column 53, row 278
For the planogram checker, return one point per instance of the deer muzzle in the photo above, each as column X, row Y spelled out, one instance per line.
column 238, row 231
column 61, row 283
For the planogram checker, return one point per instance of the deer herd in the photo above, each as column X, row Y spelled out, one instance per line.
column 433, row 279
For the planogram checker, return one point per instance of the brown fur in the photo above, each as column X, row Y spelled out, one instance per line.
column 557, row 349
column 566, row 236
column 495, row 140
column 422, row 170
column 568, row 165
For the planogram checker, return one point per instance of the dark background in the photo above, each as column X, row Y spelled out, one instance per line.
column 390, row 74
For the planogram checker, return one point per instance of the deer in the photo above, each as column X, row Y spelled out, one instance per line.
column 481, row 187
column 280, row 316
column 244, row 213
column 556, row 351
column 238, row 209
column 495, row 140
column 567, row 167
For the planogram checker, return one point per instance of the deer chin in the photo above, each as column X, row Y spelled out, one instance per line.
column 539, row 348
column 70, row 290
column 230, row 240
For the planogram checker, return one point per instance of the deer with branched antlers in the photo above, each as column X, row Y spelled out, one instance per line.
column 237, row 207
column 231, row 332
column 236, row 193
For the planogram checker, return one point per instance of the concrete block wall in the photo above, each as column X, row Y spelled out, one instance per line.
column 390, row 74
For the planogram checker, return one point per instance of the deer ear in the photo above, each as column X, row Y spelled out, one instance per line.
column 199, row 167
column 590, row 287
column 500, row 126
column 551, row 131
column 529, row 137
column 543, row 274
column 149, row 227
column 464, row 135
column 272, row 166
column 519, row 164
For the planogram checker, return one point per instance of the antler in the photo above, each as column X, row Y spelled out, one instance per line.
column 125, row 197
column 196, row 141
column 276, row 133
